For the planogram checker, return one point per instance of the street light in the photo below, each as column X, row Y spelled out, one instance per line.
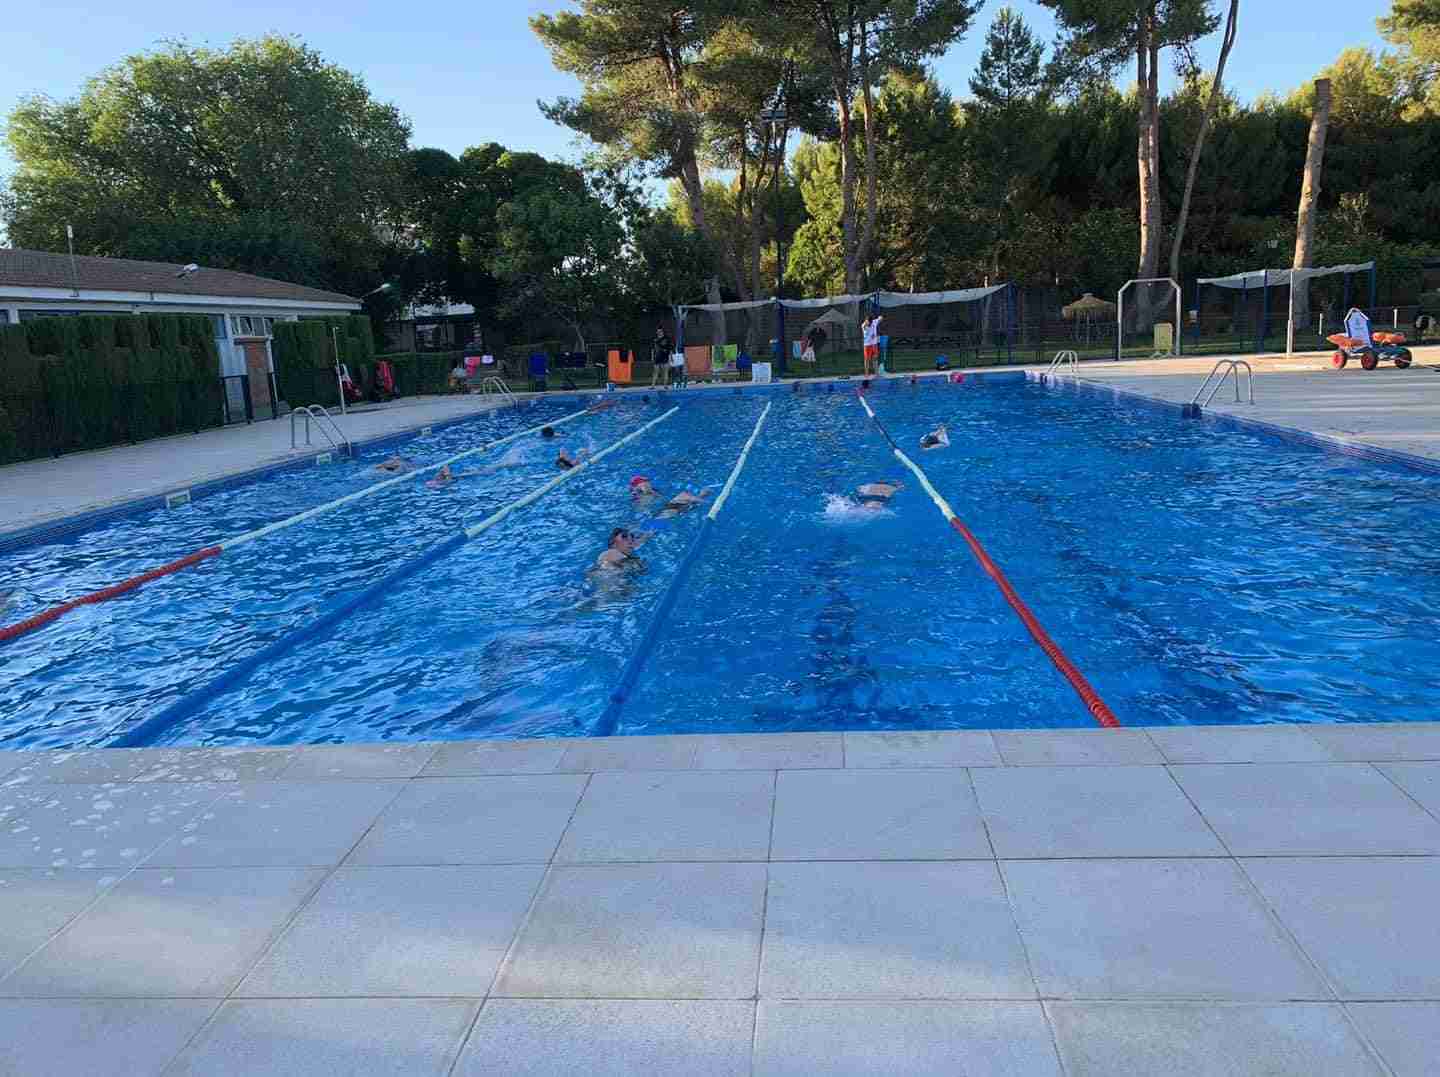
column 777, row 118
column 386, row 287
column 185, row 271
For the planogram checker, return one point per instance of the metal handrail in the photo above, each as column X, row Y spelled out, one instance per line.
column 1225, row 368
column 322, row 416
column 1061, row 361
column 496, row 384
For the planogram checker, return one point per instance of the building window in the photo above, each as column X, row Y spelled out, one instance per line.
column 251, row 325
column 218, row 320
column 4, row 316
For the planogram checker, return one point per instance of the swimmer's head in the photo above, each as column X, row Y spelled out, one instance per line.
column 547, row 432
column 640, row 485
column 622, row 538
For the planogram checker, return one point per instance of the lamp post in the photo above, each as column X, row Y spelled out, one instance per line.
column 776, row 117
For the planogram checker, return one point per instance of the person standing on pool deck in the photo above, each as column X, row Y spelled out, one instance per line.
column 660, row 358
column 870, row 328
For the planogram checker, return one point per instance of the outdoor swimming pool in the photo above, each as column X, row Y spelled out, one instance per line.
column 1195, row 575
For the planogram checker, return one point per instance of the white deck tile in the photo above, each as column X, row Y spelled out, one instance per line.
column 630, row 753
column 671, row 815
column 329, row 1036
column 182, row 933
column 640, row 931
column 1239, row 744
column 958, row 748
column 1152, row 929
column 769, row 751
column 1407, row 1034
column 1100, row 1039
column 877, row 815
column 100, row 826
column 1369, row 923
column 609, row 1038
column 95, row 1037
column 1090, row 811
column 359, row 761
column 1073, row 747
column 503, row 819
column 918, row 1039
column 279, row 824
column 36, row 903
column 399, row 931
column 215, row 764
column 1420, row 780
column 893, row 930
column 1380, row 741
column 479, row 757
column 1319, row 809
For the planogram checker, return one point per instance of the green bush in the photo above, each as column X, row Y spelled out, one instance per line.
column 85, row 382
column 422, row 372
column 304, row 353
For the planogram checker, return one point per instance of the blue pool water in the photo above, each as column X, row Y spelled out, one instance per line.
column 1195, row 575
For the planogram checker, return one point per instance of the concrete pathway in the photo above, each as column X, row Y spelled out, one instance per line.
column 1186, row 900
column 1386, row 408
column 39, row 491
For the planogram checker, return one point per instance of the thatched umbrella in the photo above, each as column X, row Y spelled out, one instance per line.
column 1087, row 312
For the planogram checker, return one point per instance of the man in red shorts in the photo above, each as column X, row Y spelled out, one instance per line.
column 870, row 328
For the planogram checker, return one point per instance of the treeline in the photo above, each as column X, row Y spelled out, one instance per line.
column 809, row 132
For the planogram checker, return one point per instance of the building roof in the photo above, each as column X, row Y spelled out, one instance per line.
column 43, row 269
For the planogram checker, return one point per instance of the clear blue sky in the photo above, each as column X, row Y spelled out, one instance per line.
column 467, row 73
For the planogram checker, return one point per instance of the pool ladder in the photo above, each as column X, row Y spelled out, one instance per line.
column 326, row 423
column 1225, row 368
column 494, row 384
column 1065, row 363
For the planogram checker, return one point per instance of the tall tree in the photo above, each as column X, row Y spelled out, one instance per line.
column 635, row 61
column 1098, row 37
column 1310, row 194
column 1212, row 103
column 1007, row 125
column 187, row 150
column 857, row 42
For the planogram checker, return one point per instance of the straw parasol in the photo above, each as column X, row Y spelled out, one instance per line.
column 1089, row 308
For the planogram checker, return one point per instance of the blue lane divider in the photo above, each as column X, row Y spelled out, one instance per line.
column 152, row 728
column 610, row 719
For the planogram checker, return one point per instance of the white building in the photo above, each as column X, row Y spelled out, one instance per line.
column 242, row 307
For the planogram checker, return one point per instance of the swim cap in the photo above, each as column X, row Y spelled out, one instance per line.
column 638, row 480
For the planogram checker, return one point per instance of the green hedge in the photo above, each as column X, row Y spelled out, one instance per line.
column 70, row 383
column 418, row 373
column 304, row 354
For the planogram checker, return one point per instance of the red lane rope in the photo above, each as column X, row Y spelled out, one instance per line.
column 1091, row 698
column 20, row 628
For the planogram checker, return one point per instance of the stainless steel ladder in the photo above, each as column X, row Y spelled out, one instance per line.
column 1225, row 368
column 495, row 384
column 1063, row 361
column 325, row 422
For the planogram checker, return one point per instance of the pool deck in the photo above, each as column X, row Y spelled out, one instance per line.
column 1187, row 900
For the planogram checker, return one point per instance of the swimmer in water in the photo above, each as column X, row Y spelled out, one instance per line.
column 644, row 492
column 600, row 405
column 875, row 496
column 620, row 553
column 936, row 439
column 396, row 465
column 547, row 432
column 565, row 461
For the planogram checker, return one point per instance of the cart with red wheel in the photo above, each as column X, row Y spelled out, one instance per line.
column 1357, row 342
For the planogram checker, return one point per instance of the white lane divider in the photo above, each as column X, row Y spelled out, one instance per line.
column 409, row 476
column 564, row 477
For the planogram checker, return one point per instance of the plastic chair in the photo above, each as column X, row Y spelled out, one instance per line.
column 619, row 369
column 539, row 371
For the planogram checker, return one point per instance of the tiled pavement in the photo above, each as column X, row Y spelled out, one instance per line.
column 1188, row 900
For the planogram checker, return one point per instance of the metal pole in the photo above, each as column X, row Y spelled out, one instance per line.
column 1175, row 347
column 1289, row 325
column 339, row 381
column 1119, row 321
